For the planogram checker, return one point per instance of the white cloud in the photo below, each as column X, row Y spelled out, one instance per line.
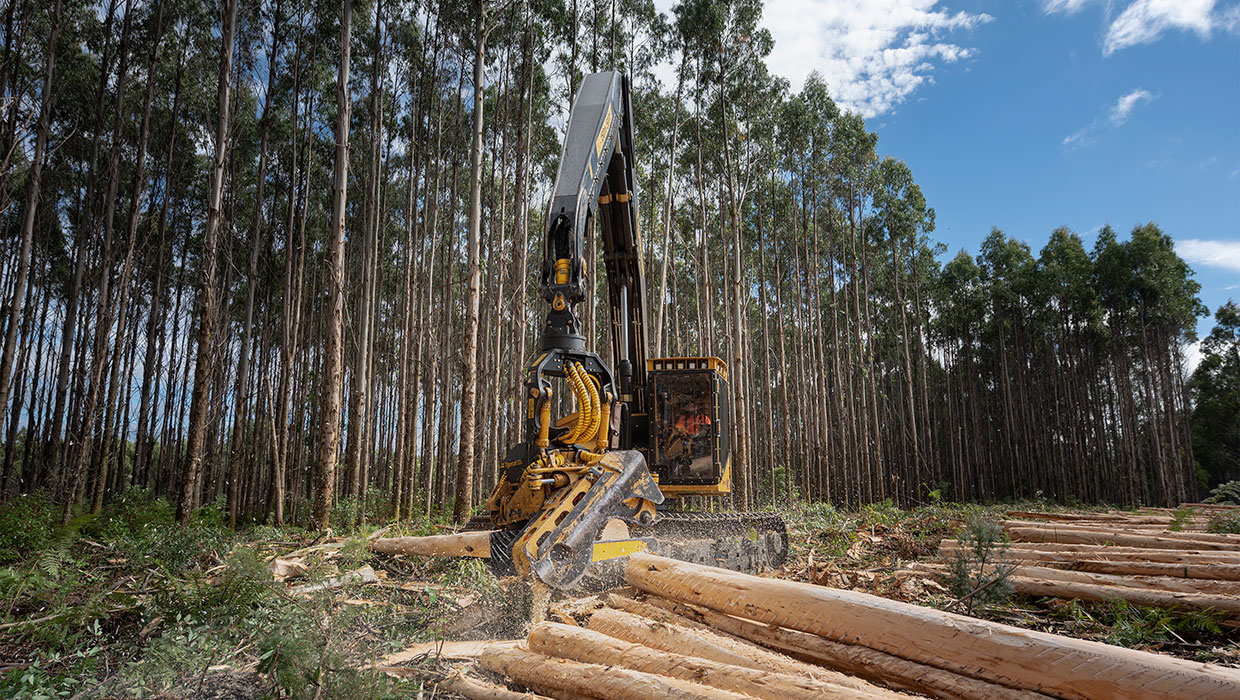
column 1191, row 358
column 873, row 54
column 1065, row 6
column 1116, row 116
column 1144, row 21
column 1222, row 254
column 1125, row 105
column 1080, row 138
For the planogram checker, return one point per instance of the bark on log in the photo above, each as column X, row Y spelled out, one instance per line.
column 1138, row 596
column 1068, row 668
column 864, row 662
column 1068, row 535
column 474, row 689
column 680, row 640
column 591, row 680
column 1168, row 584
column 1099, row 518
column 588, row 646
column 1164, row 584
column 1118, row 553
column 1219, row 572
column 461, row 544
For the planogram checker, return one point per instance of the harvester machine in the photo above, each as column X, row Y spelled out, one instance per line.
column 647, row 435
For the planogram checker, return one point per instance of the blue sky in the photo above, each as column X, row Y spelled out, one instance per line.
column 1034, row 114
column 1041, row 127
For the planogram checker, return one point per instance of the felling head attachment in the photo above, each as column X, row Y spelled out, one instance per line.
column 563, row 541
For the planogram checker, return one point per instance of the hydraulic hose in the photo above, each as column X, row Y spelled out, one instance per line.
column 583, row 405
column 544, row 420
column 604, row 423
column 593, row 386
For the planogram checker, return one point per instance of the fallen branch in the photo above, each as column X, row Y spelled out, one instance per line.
column 362, row 575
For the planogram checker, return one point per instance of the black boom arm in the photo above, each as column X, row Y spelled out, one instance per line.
column 596, row 179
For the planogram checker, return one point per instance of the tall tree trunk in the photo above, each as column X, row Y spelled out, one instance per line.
column 33, row 186
column 204, row 363
column 329, row 419
column 242, row 391
column 469, row 353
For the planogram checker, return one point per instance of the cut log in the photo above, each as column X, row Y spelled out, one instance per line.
column 1068, row 668
column 1118, row 518
column 1219, row 572
column 1068, row 535
column 461, row 544
column 650, row 611
column 1117, row 553
column 681, row 640
column 1166, row 584
column 705, row 643
column 474, row 689
column 592, row 680
column 864, row 662
column 1138, row 596
column 593, row 647
column 1233, row 541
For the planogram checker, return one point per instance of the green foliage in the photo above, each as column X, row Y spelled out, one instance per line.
column 1228, row 493
column 26, row 523
column 242, row 583
column 56, row 674
column 351, row 514
column 1225, row 523
column 884, row 512
column 772, row 487
column 1179, row 518
column 472, row 574
column 1128, row 625
column 1215, row 390
column 142, row 527
column 976, row 577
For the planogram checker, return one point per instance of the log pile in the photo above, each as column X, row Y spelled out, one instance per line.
column 1153, row 557
column 703, row 632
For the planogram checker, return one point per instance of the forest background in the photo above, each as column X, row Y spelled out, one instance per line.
column 278, row 255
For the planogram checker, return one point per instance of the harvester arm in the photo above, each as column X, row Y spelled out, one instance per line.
column 596, row 179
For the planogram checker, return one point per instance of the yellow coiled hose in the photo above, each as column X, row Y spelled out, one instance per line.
column 582, row 396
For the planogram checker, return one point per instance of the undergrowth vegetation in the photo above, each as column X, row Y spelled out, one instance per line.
column 129, row 603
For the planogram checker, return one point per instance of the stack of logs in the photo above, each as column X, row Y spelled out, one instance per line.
column 1151, row 557
column 702, row 632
